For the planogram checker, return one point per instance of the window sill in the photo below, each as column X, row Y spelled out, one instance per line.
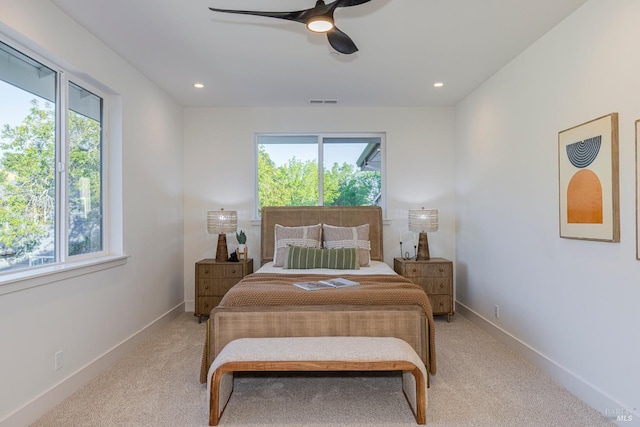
column 19, row 281
column 258, row 222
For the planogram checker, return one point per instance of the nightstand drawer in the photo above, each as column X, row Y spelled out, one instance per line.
column 221, row 271
column 215, row 287
column 441, row 304
column 428, row 270
column 435, row 285
column 206, row 304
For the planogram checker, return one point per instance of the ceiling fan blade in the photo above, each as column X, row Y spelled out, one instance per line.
column 297, row 16
column 341, row 42
column 347, row 3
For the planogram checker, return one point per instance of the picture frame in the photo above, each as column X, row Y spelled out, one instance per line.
column 638, row 189
column 588, row 175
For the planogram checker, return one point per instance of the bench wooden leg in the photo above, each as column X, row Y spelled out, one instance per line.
column 221, row 389
column 413, row 386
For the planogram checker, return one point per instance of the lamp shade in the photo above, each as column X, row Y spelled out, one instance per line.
column 221, row 222
column 423, row 220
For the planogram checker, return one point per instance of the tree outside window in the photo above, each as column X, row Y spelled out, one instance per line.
column 40, row 163
column 289, row 173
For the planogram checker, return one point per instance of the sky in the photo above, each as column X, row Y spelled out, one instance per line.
column 334, row 153
column 14, row 104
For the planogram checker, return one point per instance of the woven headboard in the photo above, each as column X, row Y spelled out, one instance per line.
column 346, row 216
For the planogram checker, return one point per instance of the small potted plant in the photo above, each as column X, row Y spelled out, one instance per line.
column 242, row 244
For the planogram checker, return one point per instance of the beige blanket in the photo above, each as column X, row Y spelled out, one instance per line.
column 262, row 289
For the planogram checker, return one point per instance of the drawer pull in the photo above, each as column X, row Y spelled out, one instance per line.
column 206, row 271
column 206, row 304
column 441, row 269
column 414, row 270
column 206, row 286
column 233, row 271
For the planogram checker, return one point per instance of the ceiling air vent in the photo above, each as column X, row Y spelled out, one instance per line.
column 323, row 101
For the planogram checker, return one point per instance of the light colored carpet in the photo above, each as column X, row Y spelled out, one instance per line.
column 480, row 382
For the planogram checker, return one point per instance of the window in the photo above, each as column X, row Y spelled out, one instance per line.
column 51, row 164
column 326, row 169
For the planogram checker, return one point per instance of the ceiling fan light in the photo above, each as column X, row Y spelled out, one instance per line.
column 320, row 24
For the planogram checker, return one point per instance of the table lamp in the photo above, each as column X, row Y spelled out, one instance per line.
column 423, row 220
column 221, row 222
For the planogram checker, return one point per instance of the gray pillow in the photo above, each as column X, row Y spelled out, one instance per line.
column 306, row 236
column 349, row 237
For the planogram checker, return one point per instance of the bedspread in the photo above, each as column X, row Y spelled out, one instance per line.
column 277, row 289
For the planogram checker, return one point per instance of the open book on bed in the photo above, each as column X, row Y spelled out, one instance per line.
column 338, row 282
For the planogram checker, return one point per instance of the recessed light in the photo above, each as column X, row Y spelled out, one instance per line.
column 438, row 84
column 198, row 85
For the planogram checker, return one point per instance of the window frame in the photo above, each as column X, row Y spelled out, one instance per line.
column 104, row 168
column 320, row 137
column 65, row 265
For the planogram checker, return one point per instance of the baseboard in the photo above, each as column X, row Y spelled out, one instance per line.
column 190, row 306
column 578, row 386
column 52, row 397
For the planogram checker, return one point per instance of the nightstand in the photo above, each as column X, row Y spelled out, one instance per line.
column 435, row 276
column 214, row 279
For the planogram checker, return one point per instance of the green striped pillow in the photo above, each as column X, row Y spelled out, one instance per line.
column 304, row 258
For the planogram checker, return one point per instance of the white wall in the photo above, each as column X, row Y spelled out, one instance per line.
column 220, row 169
column 572, row 303
column 90, row 315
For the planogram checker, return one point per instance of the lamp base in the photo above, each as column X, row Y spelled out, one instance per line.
column 423, row 247
column 221, row 252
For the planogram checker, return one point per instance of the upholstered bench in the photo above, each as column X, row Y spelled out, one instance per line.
column 317, row 354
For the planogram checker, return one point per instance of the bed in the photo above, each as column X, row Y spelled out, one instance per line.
column 267, row 304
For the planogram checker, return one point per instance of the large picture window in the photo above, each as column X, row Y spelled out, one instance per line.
column 321, row 169
column 51, row 164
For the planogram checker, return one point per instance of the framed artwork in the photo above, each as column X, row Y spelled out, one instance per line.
column 637, row 189
column 588, row 176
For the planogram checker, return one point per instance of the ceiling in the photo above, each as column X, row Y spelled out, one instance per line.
column 249, row 61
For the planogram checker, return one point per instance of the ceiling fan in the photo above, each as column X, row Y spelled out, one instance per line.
column 318, row 19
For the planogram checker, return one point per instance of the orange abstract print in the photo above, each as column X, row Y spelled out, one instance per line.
column 584, row 198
